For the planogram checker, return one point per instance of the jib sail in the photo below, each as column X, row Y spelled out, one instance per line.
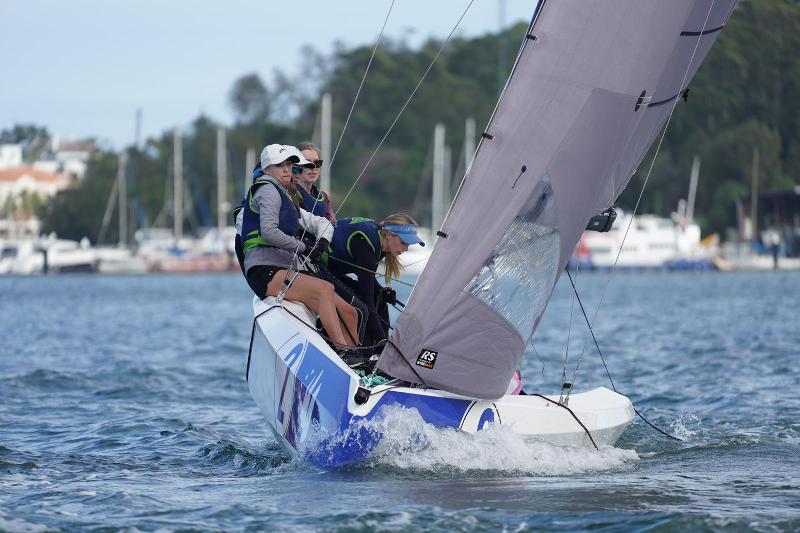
column 592, row 87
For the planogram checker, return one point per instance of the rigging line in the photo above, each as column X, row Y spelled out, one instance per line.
column 580, row 303
column 644, row 186
column 370, row 271
column 538, row 356
column 405, row 105
column 575, row 290
column 391, row 127
column 673, row 437
column 363, row 79
column 578, row 420
column 522, row 45
column 358, row 93
column 569, row 334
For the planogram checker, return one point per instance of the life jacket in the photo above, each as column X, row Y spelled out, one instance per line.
column 343, row 233
column 288, row 217
column 316, row 206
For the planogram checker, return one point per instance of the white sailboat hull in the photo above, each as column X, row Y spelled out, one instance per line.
column 308, row 397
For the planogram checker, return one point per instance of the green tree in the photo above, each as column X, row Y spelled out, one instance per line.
column 250, row 99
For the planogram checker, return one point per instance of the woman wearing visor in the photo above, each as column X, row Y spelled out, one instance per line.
column 357, row 247
column 269, row 227
column 306, row 177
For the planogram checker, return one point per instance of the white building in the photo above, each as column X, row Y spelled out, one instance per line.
column 16, row 182
column 73, row 156
column 10, row 155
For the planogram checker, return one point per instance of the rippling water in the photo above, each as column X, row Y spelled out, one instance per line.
column 123, row 404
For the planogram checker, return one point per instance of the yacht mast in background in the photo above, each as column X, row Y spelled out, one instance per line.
column 439, row 201
column 326, row 110
column 177, row 199
column 223, row 206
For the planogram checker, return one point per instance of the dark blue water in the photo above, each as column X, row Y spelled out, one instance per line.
column 123, row 405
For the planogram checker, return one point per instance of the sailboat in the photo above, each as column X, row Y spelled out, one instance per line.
column 592, row 87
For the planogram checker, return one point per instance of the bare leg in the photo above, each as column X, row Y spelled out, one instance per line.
column 318, row 296
column 349, row 317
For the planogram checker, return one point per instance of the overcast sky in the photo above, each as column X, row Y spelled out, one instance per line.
column 82, row 67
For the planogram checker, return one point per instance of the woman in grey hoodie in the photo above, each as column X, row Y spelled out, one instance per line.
column 269, row 228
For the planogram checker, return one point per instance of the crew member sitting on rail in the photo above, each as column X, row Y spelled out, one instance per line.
column 270, row 224
column 357, row 247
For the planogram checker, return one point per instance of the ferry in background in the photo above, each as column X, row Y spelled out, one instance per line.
column 652, row 243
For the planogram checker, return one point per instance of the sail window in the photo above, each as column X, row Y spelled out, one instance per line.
column 517, row 277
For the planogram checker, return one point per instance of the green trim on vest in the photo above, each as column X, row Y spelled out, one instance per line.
column 350, row 238
column 254, row 237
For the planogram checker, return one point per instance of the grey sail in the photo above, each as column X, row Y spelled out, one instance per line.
column 593, row 85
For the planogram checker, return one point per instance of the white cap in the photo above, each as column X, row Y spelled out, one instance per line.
column 303, row 162
column 278, row 153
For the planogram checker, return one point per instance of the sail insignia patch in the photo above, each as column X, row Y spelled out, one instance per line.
column 427, row 358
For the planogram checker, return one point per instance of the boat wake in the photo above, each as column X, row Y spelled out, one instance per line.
column 409, row 443
column 687, row 426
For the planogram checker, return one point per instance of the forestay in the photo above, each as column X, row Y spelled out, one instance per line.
column 592, row 87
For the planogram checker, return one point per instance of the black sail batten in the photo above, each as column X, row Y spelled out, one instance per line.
column 704, row 32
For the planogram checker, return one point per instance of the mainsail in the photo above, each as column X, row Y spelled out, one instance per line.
column 593, row 85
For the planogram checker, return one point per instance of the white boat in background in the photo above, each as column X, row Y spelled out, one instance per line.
column 585, row 99
column 52, row 255
column 162, row 252
column 115, row 260
column 416, row 257
column 652, row 242
column 8, row 254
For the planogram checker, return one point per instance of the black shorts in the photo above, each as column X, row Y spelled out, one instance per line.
column 259, row 276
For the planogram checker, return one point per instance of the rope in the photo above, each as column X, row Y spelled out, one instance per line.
column 358, row 93
column 673, row 437
column 578, row 420
column 386, row 135
column 388, row 278
column 591, row 331
column 338, row 142
column 641, row 193
column 405, row 105
column 363, row 78
column 575, row 292
column 566, row 350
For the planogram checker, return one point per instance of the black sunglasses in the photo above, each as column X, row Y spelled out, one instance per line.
column 299, row 170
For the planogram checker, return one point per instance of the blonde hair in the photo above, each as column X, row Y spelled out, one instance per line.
column 393, row 266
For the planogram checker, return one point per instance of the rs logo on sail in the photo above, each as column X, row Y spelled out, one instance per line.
column 427, row 358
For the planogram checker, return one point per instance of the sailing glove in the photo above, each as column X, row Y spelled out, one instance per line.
column 314, row 247
column 389, row 295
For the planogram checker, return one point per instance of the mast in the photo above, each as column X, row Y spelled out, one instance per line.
column 469, row 143
column 223, row 206
column 692, row 190
column 249, row 165
column 326, row 110
column 137, row 134
column 177, row 172
column 754, row 197
column 122, row 188
column 437, row 202
column 502, row 46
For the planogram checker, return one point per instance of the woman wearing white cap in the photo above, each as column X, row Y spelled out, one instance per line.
column 270, row 223
column 357, row 247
